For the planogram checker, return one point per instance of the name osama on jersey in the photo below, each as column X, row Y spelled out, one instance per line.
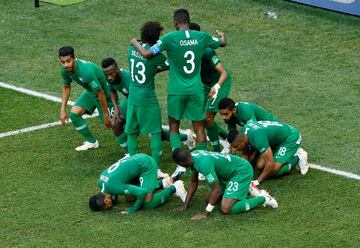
column 188, row 42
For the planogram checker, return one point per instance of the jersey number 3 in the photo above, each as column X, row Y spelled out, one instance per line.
column 190, row 56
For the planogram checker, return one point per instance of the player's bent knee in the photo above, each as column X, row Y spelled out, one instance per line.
column 225, row 209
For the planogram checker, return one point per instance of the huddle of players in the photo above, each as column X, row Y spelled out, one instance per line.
column 196, row 79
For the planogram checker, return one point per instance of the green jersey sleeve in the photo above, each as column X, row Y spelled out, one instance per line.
column 212, row 41
column 66, row 78
column 258, row 140
column 207, row 167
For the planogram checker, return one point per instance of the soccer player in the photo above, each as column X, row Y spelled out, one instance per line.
column 144, row 114
column 227, row 175
column 116, row 180
column 241, row 112
column 184, row 48
column 119, row 81
column 96, row 94
column 278, row 144
column 215, row 79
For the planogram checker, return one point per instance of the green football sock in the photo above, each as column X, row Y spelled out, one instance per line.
column 175, row 141
column 246, row 205
column 82, row 127
column 287, row 167
column 156, row 146
column 160, row 197
column 132, row 143
column 213, row 134
column 222, row 132
column 122, row 141
column 201, row 146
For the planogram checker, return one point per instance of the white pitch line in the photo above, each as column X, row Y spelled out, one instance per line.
column 335, row 171
column 38, row 127
column 34, row 93
column 57, row 123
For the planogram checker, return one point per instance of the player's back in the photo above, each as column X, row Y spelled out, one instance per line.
column 226, row 165
column 185, row 49
column 249, row 111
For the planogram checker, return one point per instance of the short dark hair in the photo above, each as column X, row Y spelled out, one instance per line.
column 194, row 26
column 226, row 103
column 180, row 155
column 182, row 16
column 107, row 62
column 150, row 32
column 233, row 132
column 66, row 51
column 96, row 202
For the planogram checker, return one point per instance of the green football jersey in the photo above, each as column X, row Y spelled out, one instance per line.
column 249, row 111
column 143, row 71
column 209, row 75
column 265, row 134
column 219, row 166
column 185, row 49
column 88, row 75
column 124, row 85
column 124, row 171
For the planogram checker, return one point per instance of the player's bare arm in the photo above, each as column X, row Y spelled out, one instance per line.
column 102, row 99
column 194, row 181
column 267, row 156
column 143, row 51
column 214, row 197
column 64, row 100
column 114, row 99
column 223, row 76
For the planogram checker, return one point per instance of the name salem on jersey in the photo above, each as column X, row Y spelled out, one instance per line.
column 188, row 42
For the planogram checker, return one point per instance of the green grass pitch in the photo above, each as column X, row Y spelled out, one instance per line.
column 303, row 66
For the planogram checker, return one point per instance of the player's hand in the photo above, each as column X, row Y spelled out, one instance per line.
column 63, row 117
column 133, row 41
column 180, row 209
column 124, row 212
column 117, row 112
column 214, row 91
column 200, row 216
column 107, row 121
column 255, row 183
column 220, row 33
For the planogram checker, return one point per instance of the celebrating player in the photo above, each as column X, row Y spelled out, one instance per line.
column 217, row 85
column 96, row 94
column 119, row 80
column 116, row 180
column 226, row 175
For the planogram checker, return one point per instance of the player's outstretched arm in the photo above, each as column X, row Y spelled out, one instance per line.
column 65, row 94
column 214, row 197
column 194, row 181
column 140, row 194
column 142, row 50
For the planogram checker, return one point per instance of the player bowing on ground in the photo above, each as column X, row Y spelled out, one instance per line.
column 118, row 178
column 184, row 48
column 217, row 85
column 277, row 143
column 119, row 80
column 96, row 94
column 227, row 175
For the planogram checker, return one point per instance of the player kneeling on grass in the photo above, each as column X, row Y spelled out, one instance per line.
column 277, row 143
column 227, row 175
column 116, row 181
